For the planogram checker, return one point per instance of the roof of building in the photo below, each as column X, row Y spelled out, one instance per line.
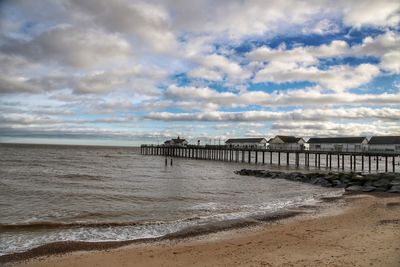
column 288, row 139
column 383, row 140
column 175, row 141
column 178, row 140
column 336, row 140
column 245, row 140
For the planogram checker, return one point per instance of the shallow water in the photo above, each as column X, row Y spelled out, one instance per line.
column 57, row 193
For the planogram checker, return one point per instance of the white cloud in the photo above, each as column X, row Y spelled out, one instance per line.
column 215, row 67
column 207, row 74
column 337, row 78
column 136, row 80
column 309, row 96
column 300, row 63
column 377, row 46
column 313, row 129
column 391, row 62
column 324, row 26
column 360, row 13
column 13, row 84
column 281, row 55
column 148, row 22
column 296, row 115
column 238, row 19
column 72, row 46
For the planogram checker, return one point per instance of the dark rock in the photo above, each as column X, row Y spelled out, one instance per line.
column 312, row 175
column 295, row 176
column 260, row 173
column 345, row 181
column 354, row 188
column 381, row 189
column 379, row 182
column 368, row 188
column 394, row 189
column 268, row 174
column 280, row 175
column 354, row 182
column 331, row 177
column 358, row 177
column 395, row 183
column 371, row 177
column 368, row 183
column 338, row 184
column 382, row 183
column 387, row 175
column 322, row 182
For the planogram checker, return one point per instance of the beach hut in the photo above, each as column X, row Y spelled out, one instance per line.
column 283, row 142
column 345, row 144
column 384, row 143
column 246, row 142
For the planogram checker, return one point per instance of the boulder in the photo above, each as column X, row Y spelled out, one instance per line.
column 312, row 175
column 387, row 175
column 354, row 188
column 268, row 174
column 295, row 176
column 371, row 176
column 394, row 189
column 368, row 188
column 280, row 175
column 322, row 182
column 369, row 183
column 338, row 184
column 395, row 183
column 381, row 189
column 260, row 173
column 381, row 182
column 331, row 177
column 354, row 182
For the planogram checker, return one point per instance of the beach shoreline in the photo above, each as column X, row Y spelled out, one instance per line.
column 63, row 247
column 364, row 230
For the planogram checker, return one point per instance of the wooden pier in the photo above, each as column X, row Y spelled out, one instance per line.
column 343, row 161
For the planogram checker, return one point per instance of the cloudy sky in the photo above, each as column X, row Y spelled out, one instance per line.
column 131, row 72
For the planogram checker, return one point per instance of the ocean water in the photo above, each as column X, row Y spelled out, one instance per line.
column 60, row 193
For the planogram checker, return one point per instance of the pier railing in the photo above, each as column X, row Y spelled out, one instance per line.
column 387, row 161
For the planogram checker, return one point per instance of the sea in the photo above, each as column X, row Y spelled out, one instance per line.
column 51, row 193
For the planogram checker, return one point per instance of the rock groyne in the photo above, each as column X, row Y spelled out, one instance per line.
column 378, row 182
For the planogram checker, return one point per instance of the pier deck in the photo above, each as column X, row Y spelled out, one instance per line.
column 386, row 161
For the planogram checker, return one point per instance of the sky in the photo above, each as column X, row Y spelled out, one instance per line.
column 129, row 72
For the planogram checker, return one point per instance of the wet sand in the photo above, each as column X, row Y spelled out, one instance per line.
column 363, row 232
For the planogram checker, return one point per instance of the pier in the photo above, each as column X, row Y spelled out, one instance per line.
column 343, row 161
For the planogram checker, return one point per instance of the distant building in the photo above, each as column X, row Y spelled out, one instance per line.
column 282, row 142
column 384, row 143
column 176, row 142
column 246, row 142
column 350, row 144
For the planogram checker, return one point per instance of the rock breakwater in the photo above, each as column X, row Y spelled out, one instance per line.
column 378, row 182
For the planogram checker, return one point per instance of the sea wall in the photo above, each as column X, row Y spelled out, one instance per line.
column 379, row 182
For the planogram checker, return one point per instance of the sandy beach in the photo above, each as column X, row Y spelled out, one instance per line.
column 363, row 232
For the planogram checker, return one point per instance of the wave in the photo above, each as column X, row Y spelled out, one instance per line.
column 83, row 177
column 49, row 225
column 190, row 231
column 57, row 225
